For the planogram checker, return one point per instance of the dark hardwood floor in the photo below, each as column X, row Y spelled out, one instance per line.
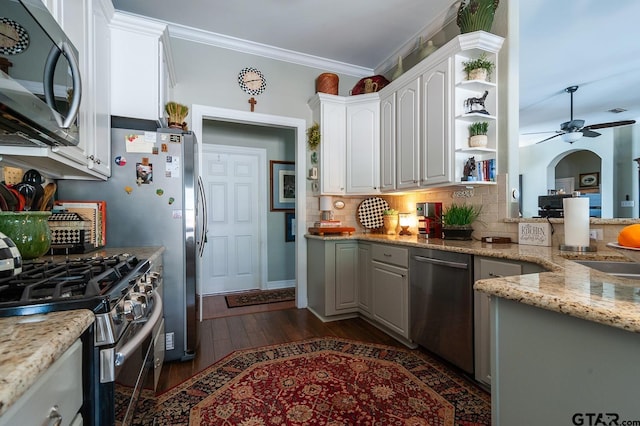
column 265, row 325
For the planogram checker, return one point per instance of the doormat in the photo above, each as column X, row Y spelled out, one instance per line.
column 260, row 297
column 323, row 382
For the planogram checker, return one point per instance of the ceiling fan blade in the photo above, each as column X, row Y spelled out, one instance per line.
column 540, row 133
column 610, row 124
column 589, row 133
column 572, row 125
column 550, row 137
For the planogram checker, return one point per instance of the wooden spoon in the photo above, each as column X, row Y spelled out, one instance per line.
column 49, row 190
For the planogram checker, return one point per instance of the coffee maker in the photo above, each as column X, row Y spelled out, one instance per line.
column 429, row 223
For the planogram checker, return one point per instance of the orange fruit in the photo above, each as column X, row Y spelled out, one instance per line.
column 629, row 236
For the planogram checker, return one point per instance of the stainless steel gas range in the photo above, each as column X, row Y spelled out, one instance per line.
column 123, row 350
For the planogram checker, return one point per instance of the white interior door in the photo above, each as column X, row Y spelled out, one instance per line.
column 235, row 184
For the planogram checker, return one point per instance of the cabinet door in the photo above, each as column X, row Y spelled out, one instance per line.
column 136, row 59
column 436, row 121
column 99, row 144
column 408, row 135
column 332, row 148
column 363, row 147
column 346, row 287
column 364, row 279
column 487, row 268
column 388, row 142
column 391, row 297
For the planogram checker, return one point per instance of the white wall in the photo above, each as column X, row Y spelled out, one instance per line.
column 538, row 161
column 208, row 75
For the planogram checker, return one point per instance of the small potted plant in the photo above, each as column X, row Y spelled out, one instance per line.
column 177, row 113
column 479, row 68
column 457, row 219
column 478, row 134
column 475, row 15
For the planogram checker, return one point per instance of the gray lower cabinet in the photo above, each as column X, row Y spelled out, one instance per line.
column 486, row 267
column 365, row 295
column 390, row 287
column 332, row 277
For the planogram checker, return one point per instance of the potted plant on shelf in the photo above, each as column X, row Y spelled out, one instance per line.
column 457, row 219
column 478, row 134
column 475, row 15
column 177, row 113
column 479, row 68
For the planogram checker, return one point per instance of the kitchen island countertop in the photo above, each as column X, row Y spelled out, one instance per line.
column 568, row 287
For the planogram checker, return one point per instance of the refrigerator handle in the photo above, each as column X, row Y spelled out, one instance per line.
column 204, row 225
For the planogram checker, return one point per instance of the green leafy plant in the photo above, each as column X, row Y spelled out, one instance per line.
column 478, row 128
column 313, row 136
column 460, row 215
column 481, row 62
column 390, row 212
column 474, row 15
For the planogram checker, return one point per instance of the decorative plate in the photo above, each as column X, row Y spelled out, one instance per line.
column 370, row 212
column 13, row 37
column 618, row 246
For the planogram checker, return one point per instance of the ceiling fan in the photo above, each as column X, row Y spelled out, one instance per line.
column 572, row 130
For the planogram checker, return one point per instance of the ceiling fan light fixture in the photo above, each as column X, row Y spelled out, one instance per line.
column 571, row 137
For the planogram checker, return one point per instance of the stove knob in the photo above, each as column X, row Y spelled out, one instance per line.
column 144, row 288
column 133, row 310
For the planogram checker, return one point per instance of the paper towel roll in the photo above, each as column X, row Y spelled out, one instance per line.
column 576, row 221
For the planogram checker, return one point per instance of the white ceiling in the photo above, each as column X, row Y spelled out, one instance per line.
column 590, row 43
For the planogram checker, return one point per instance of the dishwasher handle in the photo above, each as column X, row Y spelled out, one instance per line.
column 447, row 263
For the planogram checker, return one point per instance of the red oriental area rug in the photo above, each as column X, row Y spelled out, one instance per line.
column 325, row 381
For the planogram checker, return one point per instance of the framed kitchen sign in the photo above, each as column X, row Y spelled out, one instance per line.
column 289, row 227
column 283, row 185
column 589, row 180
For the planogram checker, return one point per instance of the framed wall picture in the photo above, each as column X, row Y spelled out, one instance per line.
column 589, row 180
column 283, row 185
column 289, row 227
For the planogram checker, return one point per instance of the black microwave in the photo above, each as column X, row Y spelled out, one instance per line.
column 40, row 86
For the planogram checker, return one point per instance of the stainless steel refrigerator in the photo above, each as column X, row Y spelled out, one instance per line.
column 154, row 198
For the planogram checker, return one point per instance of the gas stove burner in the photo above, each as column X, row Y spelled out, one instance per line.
column 82, row 279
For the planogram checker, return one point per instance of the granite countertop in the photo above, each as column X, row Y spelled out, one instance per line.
column 568, row 287
column 30, row 344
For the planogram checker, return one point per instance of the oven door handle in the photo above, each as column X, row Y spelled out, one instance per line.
column 146, row 330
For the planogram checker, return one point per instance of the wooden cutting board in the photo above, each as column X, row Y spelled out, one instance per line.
column 332, row 230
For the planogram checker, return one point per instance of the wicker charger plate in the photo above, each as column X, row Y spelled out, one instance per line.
column 370, row 212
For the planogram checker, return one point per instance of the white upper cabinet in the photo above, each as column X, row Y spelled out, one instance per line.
column 424, row 118
column 86, row 23
column 388, row 142
column 363, row 145
column 140, row 68
column 435, row 164
column 349, row 148
column 408, row 135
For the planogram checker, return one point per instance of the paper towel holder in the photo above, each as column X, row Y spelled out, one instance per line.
column 581, row 216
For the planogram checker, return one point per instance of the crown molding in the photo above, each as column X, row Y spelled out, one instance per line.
column 271, row 52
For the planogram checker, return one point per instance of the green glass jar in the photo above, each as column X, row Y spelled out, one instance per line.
column 28, row 230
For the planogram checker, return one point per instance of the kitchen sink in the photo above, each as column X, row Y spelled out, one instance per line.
column 621, row 269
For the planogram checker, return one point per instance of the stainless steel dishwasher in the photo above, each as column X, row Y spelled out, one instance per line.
column 441, row 295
